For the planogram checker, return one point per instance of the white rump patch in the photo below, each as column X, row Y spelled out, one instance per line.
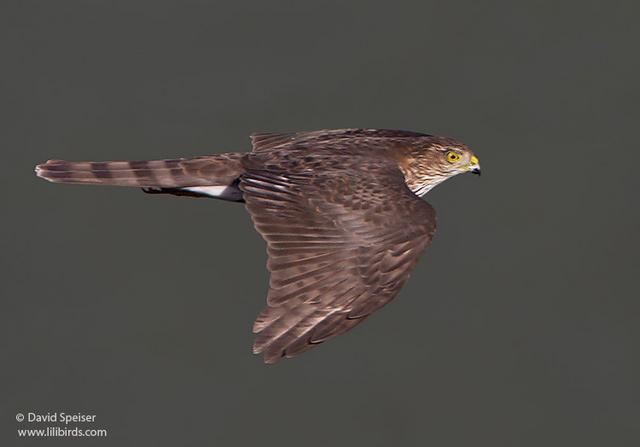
column 226, row 192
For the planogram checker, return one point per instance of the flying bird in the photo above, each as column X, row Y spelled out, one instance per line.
column 340, row 210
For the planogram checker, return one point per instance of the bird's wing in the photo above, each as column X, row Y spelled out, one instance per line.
column 341, row 245
column 264, row 141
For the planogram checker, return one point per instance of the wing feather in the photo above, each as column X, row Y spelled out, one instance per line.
column 341, row 243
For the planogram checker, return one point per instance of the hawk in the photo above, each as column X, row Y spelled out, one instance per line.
column 340, row 211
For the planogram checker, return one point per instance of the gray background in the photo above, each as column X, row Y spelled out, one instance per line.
column 519, row 326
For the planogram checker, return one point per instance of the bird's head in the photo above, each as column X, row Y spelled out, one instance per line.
column 435, row 159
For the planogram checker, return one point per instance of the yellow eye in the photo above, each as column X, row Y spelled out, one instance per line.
column 453, row 157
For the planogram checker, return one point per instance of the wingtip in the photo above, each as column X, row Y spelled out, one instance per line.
column 271, row 359
column 266, row 358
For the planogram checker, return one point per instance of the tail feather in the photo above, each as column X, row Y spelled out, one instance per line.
column 222, row 169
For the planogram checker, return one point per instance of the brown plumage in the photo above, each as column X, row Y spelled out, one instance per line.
column 339, row 211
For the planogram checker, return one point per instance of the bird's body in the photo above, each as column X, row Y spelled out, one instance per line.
column 339, row 211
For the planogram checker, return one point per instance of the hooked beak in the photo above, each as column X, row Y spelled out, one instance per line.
column 474, row 165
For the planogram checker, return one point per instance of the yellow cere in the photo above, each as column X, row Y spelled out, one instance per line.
column 474, row 160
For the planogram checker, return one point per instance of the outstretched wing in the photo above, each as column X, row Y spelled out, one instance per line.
column 265, row 141
column 341, row 244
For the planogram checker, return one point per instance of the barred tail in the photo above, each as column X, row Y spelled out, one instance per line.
column 208, row 175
